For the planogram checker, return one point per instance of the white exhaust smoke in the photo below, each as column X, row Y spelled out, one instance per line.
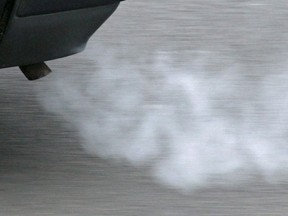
column 195, row 123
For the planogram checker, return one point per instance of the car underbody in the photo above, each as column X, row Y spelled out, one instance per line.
column 35, row 31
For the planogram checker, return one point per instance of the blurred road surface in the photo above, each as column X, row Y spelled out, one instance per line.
column 43, row 169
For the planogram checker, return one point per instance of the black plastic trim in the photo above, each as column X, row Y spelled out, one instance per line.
column 2, row 6
column 38, row 7
column 33, row 39
column 5, row 14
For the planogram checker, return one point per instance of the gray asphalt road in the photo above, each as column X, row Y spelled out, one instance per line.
column 43, row 167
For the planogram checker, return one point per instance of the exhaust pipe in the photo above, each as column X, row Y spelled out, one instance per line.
column 35, row 71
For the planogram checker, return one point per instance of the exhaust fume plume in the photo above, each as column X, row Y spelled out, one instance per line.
column 196, row 123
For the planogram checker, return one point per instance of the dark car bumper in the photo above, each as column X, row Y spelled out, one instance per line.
column 33, row 31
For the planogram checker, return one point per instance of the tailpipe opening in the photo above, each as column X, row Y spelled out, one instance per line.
column 35, row 71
